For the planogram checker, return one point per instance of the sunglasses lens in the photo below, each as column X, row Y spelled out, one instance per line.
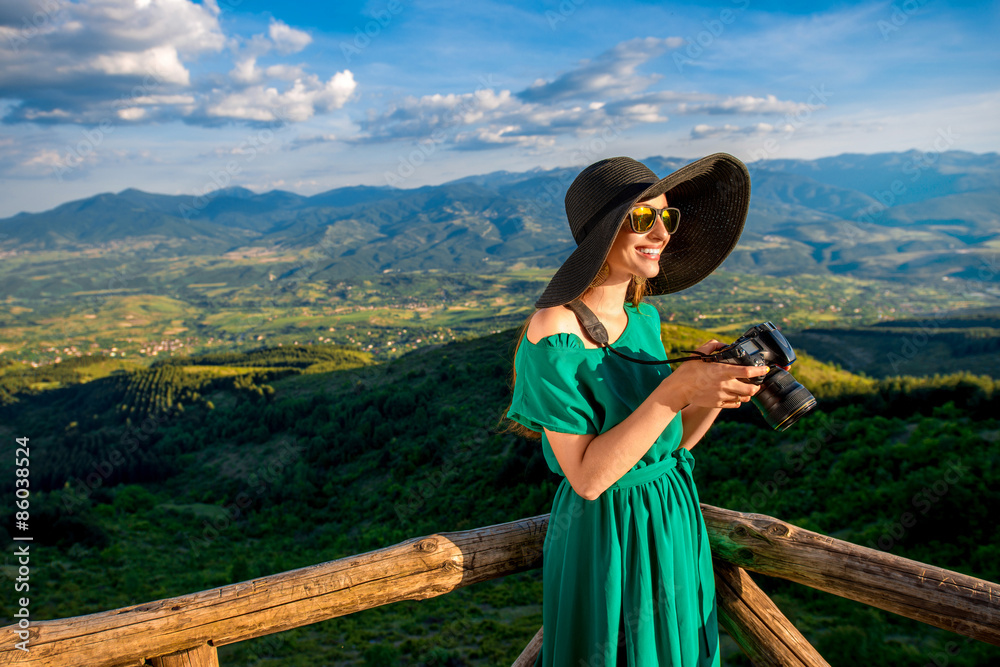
column 643, row 218
column 671, row 219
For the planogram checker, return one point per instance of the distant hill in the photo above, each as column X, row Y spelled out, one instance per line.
column 909, row 216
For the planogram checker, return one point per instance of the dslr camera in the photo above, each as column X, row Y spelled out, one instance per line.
column 781, row 399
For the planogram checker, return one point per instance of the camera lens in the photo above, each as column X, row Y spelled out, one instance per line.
column 782, row 399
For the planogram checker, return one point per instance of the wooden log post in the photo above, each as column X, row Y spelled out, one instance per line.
column 749, row 616
column 530, row 652
column 753, row 620
column 203, row 656
column 932, row 595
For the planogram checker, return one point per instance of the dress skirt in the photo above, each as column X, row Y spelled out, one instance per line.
column 629, row 574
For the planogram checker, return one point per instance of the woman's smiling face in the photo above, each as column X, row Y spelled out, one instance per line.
column 639, row 254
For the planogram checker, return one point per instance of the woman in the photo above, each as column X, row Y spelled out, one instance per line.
column 627, row 571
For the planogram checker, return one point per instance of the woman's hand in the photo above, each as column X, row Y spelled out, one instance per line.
column 715, row 385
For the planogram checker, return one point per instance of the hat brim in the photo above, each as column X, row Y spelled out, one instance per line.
column 713, row 195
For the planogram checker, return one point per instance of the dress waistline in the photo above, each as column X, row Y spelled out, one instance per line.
column 679, row 457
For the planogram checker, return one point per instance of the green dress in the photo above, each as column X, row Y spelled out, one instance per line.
column 633, row 565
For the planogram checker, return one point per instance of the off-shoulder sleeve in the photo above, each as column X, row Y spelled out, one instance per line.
column 552, row 388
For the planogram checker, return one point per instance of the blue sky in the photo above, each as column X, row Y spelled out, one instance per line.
column 180, row 97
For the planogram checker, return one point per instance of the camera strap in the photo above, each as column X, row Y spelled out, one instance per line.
column 598, row 333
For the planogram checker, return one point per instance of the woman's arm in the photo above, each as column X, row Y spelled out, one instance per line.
column 592, row 463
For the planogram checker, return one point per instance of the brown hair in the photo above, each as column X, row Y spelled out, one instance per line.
column 634, row 293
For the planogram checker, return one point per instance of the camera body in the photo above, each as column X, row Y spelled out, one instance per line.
column 761, row 345
column 782, row 400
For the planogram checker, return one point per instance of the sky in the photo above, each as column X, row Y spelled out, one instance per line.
column 182, row 97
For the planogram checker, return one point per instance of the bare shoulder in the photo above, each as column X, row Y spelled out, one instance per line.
column 556, row 320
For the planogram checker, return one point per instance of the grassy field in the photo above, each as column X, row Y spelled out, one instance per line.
column 153, row 313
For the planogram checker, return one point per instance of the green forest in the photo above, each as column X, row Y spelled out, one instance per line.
column 202, row 471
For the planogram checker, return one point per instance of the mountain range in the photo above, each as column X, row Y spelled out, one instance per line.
column 910, row 215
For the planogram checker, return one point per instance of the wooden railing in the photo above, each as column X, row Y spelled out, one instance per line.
column 187, row 630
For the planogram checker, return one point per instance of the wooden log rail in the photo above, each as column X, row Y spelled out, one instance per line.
column 942, row 598
column 187, row 630
column 416, row 569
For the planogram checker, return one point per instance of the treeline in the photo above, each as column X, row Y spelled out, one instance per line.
column 965, row 341
column 914, row 347
column 111, row 430
column 293, row 356
column 17, row 378
column 978, row 396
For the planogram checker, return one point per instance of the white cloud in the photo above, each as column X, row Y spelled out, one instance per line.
column 123, row 25
column 702, row 131
column 304, row 140
column 132, row 113
column 643, row 113
column 287, row 39
column 44, row 162
column 246, row 71
column 495, row 137
column 285, row 72
column 611, row 74
column 161, row 61
column 92, row 53
column 608, row 91
column 746, row 104
column 597, row 94
column 99, row 61
column 296, row 104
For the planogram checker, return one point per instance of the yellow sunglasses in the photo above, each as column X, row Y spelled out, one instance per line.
column 642, row 218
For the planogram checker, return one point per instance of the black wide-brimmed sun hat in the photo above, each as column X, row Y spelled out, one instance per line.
column 713, row 195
